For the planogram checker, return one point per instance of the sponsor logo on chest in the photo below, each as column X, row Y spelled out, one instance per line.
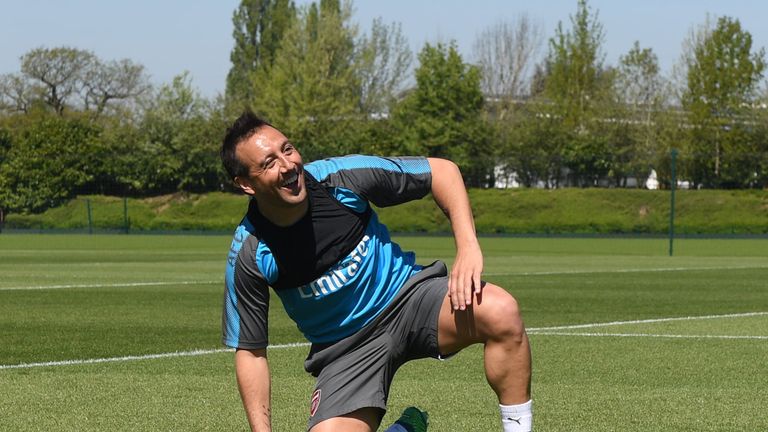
column 338, row 275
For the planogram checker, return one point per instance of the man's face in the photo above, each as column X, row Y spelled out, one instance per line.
column 275, row 170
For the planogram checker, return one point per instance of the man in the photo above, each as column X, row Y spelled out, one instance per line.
column 310, row 233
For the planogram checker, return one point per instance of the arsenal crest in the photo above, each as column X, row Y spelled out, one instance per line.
column 315, row 403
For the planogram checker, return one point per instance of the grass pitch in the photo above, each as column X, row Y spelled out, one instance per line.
column 122, row 333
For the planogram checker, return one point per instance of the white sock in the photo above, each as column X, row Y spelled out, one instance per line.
column 517, row 418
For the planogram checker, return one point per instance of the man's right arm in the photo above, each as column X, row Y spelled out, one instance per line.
column 253, row 380
column 245, row 323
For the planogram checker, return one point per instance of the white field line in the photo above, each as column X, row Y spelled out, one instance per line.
column 545, row 273
column 649, row 335
column 109, row 285
column 140, row 357
column 646, row 321
column 537, row 331
column 634, row 270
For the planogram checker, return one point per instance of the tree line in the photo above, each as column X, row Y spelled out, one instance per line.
column 547, row 113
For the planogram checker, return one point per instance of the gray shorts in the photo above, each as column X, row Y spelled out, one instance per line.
column 356, row 372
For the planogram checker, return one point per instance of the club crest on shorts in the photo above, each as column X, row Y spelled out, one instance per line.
column 315, row 403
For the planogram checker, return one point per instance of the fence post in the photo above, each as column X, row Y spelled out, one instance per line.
column 90, row 216
column 672, row 187
column 126, row 222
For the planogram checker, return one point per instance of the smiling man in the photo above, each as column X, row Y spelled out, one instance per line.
column 366, row 306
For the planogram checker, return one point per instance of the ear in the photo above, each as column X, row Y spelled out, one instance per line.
column 245, row 185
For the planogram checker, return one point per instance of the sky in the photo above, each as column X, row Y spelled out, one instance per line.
column 170, row 37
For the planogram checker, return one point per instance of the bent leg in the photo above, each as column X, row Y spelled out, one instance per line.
column 493, row 320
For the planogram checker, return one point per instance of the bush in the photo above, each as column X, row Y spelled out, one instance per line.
column 523, row 211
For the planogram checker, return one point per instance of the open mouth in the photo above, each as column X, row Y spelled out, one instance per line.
column 291, row 181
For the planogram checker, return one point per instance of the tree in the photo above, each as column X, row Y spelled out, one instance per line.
column 635, row 134
column 576, row 76
column 312, row 91
column 17, row 93
column 760, row 160
column 442, row 116
column 174, row 148
column 60, row 70
column 259, row 27
column 63, row 78
column 723, row 74
column 170, row 148
column 576, row 88
column 532, row 142
column 639, row 82
column 112, row 81
column 505, row 53
column 382, row 63
column 50, row 159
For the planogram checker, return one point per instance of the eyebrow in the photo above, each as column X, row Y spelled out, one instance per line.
column 271, row 154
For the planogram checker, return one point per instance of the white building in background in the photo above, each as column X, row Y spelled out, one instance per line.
column 653, row 181
column 504, row 179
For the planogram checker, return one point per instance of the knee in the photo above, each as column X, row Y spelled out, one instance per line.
column 503, row 318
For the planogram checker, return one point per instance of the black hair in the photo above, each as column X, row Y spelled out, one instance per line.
column 243, row 128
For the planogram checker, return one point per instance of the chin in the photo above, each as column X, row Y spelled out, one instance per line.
column 299, row 198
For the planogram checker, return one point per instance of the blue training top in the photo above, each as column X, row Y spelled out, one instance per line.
column 337, row 268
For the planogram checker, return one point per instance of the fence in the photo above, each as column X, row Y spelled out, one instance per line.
column 560, row 212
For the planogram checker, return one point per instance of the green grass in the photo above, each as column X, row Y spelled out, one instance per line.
column 559, row 211
column 76, row 297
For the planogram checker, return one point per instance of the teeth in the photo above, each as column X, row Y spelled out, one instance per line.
column 290, row 179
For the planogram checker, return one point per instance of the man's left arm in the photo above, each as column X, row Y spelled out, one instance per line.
column 451, row 196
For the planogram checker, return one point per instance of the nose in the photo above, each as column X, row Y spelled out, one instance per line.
column 285, row 163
